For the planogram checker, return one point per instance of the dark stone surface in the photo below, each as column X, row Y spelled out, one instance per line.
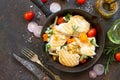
column 14, row 35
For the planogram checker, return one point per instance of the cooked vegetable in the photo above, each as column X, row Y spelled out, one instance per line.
column 45, row 37
column 83, row 58
column 47, row 46
column 67, row 17
column 110, row 53
column 92, row 41
column 83, row 37
column 83, row 61
column 55, row 7
column 49, row 31
column 92, row 32
column 60, row 20
column 99, row 69
column 31, row 26
column 55, row 21
column 29, row 15
column 70, row 40
column 92, row 74
column 54, row 57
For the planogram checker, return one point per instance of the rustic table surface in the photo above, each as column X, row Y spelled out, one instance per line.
column 14, row 35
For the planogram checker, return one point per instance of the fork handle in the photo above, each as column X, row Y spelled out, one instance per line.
column 56, row 77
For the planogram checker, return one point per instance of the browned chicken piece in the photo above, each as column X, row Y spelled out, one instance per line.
column 68, row 59
column 57, row 40
column 76, row 25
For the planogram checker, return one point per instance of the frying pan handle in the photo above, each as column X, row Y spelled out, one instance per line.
column 43, row 8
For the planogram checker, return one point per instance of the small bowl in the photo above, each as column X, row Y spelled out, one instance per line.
column 107, row 8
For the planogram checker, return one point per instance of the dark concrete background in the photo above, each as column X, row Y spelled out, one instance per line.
column 14, row 35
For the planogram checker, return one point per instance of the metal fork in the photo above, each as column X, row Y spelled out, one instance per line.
column 34, row 57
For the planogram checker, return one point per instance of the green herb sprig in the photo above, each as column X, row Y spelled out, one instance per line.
column 67, row 17
column 92, row 41
column 110, row 52
column 74, row 28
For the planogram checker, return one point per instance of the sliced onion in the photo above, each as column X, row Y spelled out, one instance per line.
column 31, row 26
column 92, row 74
column 37, row 31
column 55, row 7
column 99, row 69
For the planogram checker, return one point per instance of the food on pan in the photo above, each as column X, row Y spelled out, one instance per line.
column 68, row 42
column 67, row 59
column 74, row 23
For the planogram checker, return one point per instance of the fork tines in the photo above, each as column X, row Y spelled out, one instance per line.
column 27, row 52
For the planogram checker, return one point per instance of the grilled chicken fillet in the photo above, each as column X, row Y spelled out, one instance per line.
column 68, row 59
column 77, row 24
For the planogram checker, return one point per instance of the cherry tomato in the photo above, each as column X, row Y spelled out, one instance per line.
column 44, row 1
column 29, row 15
column 60, row 20
column 91, row 32
column 117, row 56
column 83, row 61
column 81, row 1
